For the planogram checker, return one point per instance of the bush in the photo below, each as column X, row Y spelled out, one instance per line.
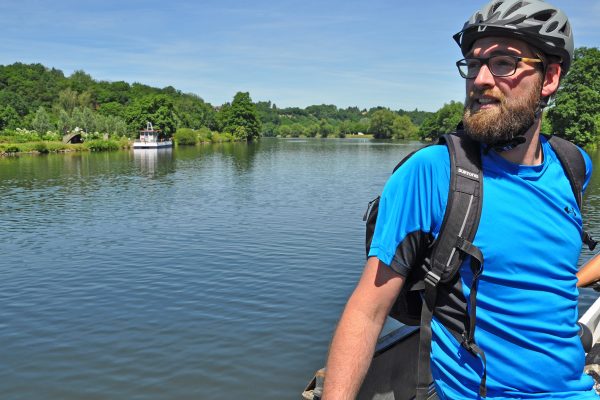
column 185, row 136
column 124, row 142
column 41, row 147
column 217, row 137
column 101, row 145
column 54, row 147
column 204, row 135
column 52, row 136
column 20, row 136
column 9, row 148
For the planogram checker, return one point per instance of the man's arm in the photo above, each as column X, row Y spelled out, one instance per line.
column 589, row 272
column 356, row 335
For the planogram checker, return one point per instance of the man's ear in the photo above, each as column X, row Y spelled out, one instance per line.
column 551, row 79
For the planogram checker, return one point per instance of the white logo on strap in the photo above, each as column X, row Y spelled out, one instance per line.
column 468, row 174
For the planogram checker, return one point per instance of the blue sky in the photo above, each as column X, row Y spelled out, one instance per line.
column 392, row 53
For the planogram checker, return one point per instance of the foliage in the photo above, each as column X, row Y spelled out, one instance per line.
column 344, row 122
column 101, row 145
column 24, row 88
column 546, row 125
column 576, row 111
column 241, row 118
column 443, row 121
column 68, row 99
column 157, row 109
column 185, row 136
column 325, row 129
column 204, row 135
column 119, row 108
column 19, row 136
column 403, row 128
column 41, row 122
column 9, row 119
column 285, row 131
column 192, row 112
column 386, row 124
column 9, row 148
column 52, row 136
column 40, row 147
column 381, row 124
column 217, row 137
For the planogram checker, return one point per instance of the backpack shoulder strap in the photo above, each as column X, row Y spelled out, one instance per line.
column 574, row 166
column 573, row 163
column 463, row 209
column 453, row 244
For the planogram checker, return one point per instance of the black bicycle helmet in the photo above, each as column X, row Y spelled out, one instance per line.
column 536, row 22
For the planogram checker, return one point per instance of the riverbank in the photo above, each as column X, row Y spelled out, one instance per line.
column 54, row 146
column 51, row 146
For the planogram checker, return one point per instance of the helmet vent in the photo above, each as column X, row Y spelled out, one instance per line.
column 566, row 29
column 514, row 8
column 543, row 16
column 494, row 8
column 552, row 27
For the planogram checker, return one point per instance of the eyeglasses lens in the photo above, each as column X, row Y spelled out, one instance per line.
column 498, row 65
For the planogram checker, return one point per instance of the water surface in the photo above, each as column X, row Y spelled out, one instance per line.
column 214, row 272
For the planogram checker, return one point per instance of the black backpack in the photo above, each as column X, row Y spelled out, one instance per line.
column 442, row 259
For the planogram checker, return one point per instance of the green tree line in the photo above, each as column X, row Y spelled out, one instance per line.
column 44, row 100
column 34, row 97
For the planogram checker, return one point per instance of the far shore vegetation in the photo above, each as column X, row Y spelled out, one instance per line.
column 41, row 109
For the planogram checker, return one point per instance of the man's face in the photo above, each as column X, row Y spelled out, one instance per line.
column 500, row 108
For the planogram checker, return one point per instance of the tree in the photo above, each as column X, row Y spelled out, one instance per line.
column 443, row 121
column 80, row 81
column 112, row 108
column 193, row 112
column 576, row 111
column 41, row 121
column 157, row 109
column 382, row 122
column 284, row 131
column 9, row 119
column 68, row 100
column 325, row 129
column 88, row 120
column 297, row 130
column 312, row 130
column 65, row 122
column 403, row 128
column 242, row 114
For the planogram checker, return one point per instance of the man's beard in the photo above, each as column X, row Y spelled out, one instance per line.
column 503, row 122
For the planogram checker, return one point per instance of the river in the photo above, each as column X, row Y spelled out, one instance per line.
column 213, row 272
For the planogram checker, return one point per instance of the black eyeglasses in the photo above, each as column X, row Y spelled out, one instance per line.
column 501, row 65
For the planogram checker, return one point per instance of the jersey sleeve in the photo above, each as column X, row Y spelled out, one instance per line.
column 411, row 209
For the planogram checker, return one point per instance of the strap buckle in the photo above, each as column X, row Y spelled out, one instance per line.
column 468, row 344
column 432, row 279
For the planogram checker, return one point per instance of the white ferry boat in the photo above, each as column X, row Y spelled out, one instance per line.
column 149, row 139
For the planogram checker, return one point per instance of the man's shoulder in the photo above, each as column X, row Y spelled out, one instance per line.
column 436, row 155
column 426, row 165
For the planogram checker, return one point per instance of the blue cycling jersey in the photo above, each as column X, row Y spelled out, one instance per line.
column 530, row 237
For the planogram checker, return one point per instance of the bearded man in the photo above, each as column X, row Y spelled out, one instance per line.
column 530, row 230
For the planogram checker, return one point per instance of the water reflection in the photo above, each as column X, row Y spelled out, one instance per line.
column 241, row 155
column 154, row 162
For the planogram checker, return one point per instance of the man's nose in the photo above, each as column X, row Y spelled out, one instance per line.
column 484, row 77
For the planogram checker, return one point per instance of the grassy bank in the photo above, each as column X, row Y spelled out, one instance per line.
column 49, row 146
